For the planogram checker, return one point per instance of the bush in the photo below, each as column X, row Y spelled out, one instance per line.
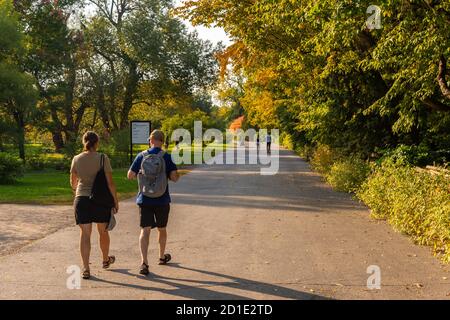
column 11, row 168
column 414, row 155
column 121, row 141
column 287, row 141
column 186, row 121
column 415, row 203
column 72, row 148
column 323, row 158
column 305, row 151
column 347, row 175
column 49, row 161
column 36, row 163
column 62, row 164
column 120, row 160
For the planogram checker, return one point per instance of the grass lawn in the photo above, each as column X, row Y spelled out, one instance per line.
column 52, row 187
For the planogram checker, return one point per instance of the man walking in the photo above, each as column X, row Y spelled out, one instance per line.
column 269, row 143
column 153, row 168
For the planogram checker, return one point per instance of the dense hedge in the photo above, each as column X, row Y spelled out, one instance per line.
column 344, row 173
column 11, row 168
column 415, row 203
column 348, row 174
column 41, row 162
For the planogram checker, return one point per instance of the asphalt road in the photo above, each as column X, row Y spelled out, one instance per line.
column 237, row 234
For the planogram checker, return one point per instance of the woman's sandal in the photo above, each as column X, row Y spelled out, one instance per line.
column 107, row 264
column 167, row 258
column 86, row 274
column 144, row 269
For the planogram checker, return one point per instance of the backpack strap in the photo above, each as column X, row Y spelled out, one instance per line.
column 102, row 161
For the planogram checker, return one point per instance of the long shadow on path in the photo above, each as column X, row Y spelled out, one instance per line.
column 295, row 188
column 199, row 289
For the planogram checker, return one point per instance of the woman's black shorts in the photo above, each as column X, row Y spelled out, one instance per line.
column 154, row 216
column 87, row 212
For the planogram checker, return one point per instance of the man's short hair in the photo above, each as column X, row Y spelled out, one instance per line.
column 157, row 135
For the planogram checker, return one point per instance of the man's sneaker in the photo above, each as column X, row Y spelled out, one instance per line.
column 144, row 269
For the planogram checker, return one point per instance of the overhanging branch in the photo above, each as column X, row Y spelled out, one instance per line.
column 436, row 105
column 441, row 78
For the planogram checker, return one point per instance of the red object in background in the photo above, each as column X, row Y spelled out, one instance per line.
column 237, row 123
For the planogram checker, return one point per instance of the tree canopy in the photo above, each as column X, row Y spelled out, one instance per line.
column 18, row 95
column 321, row 73
column 97, row 64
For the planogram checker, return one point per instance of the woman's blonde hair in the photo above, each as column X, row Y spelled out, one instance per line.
column 90, row 139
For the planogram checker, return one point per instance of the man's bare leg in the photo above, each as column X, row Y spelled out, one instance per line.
column 144, row 240
column 162, row 239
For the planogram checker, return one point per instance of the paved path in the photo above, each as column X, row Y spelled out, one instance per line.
column 22, row 224
column 236, row 234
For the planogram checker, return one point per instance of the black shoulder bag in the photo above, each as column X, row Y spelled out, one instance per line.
column 100, row 194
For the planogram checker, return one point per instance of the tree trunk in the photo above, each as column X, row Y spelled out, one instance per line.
column 130, row 91
column 21, row 142
column 58, row 140
column 101, row 107
column 56, row 129
column 113, row 99
column 441, row 78
column 70, row 129
column 94, row 120
column 100, row 104
column 68, row 99
column 19, row 118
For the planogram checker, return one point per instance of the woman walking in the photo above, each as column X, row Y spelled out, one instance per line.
column 84, row 169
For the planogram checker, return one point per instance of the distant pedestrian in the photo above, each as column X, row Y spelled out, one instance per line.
column 269, row 143
column 153, row 168
column 83, row 172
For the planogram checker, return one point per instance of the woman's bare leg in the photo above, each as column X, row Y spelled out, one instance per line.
column 85, row 244
column 104, row 240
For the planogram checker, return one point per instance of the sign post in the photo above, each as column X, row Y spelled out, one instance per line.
column 139, row 134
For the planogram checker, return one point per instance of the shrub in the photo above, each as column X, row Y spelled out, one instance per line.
column 120, row 160
column 414, row 155
column 62, row 164
column 305, row 151
column 186, row 121
column 11, row 168
column 121, row 141
column 36, row 163
column 323, row 158
column 49, row 161
column 72, row 148
column 347, row 175
column 415, row 203
column 287, row 141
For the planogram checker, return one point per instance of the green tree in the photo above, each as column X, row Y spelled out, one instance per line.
column 328, row 78
column 55, row 59
column 141, row 55
column 18, row 95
